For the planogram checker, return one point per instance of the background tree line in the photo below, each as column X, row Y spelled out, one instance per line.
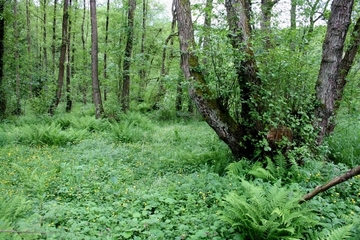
column 252, row 74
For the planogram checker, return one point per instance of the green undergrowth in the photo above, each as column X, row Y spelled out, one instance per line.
column 74, row 177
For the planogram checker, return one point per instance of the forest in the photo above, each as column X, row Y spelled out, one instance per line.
column 186, row 119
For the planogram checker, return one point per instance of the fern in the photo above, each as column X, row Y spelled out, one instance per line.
column 12, row 209
column 267, row 212
column 238, row 169
column 339, row 233
column 258, row 171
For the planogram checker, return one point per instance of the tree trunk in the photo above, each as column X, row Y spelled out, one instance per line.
column 106, row 45
column 53, row 44
column 204, row 40
column 64, row 36
column 222, row 123
column 17, row 109
column 28, row 40
column 142, row 71
column 83, row 87
column 125, row 95
column 265, row 23
column 68, row 68
column 331, row 79
column 293, row 14
column 99, row 110
column 44, row 36
column 2, row 35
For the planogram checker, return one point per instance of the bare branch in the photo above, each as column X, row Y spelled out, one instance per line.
column 319, row 189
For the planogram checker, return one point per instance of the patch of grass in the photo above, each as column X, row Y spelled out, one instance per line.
column 344, row 143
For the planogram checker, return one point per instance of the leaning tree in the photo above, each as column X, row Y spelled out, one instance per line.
column 241, row 131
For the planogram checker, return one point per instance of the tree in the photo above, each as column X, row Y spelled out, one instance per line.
column 335, row 65
column 125, row 94
column 2, row 36
column 64, row 35
column 99, row 110
column 106, row 45
column 266, row 14
column 17, row 110
column 242, row 134
column 70, row 56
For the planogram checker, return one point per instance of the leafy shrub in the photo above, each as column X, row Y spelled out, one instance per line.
column 267, row 212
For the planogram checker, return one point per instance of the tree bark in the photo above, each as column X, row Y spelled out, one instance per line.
column 64, row 35
column 106, row 45
column 45, row 59
column 28, row 40
column 293, row 14
column 319, row 189
column 2, row 35
column 17, row 109
column 265, row 23
column 331, row 78
column 84, row 87
column 125, row 94
column 142, row 71
column 68, row 67
column 99, row 110
column 53, row 44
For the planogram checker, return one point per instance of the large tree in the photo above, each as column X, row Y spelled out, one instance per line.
column 241, row 133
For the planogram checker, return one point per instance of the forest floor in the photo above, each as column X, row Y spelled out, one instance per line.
column 74, row 177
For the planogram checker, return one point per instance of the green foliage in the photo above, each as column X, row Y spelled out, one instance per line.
column 138, row 178
column 14, row 218
column 267, row 212
column 344, row 143
column 48, row 135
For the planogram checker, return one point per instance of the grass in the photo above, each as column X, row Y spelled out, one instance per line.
column 74, row 177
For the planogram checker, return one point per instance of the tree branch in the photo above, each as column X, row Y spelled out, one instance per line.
column 319, row 189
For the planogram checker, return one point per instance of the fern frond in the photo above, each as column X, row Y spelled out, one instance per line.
column 236, row 168
column 339, row 233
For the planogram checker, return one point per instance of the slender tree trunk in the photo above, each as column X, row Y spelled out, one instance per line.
column 83, row 87
column 265, row 23
column 293, row 14
column 125, row 95
column 68, row 67
column 106, row 47
column 28, row 40
column 179, row 94
column 64, row 35
column 44, row 36
column 203, row 40
column 17, row 110
column 99, row 110
column 334, row 68
column 2, row 35
column 142, row 71
column 53, row 44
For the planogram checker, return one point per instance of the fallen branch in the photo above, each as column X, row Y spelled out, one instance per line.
column 348, row 175
column 23, row 232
